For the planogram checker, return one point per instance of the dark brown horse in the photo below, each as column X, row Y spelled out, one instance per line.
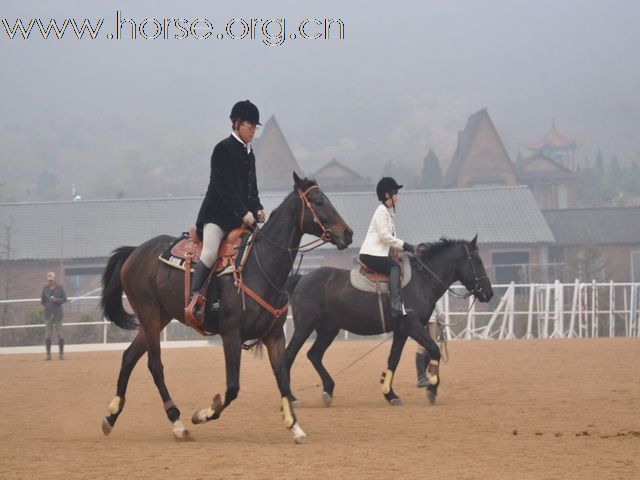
column 155, row 292
column 340, row 306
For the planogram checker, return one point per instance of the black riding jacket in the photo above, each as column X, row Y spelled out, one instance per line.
column 233, row 189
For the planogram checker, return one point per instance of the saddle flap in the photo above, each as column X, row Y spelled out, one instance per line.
column 362, row 282
column 186, row 246
column 190, row 245
column 229, row 248
column 374, row 276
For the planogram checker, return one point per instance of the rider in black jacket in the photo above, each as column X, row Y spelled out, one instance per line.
column 232, row 196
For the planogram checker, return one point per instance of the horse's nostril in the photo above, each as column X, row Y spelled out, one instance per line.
column 348, row 233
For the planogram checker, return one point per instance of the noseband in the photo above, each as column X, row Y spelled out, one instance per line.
column 476, row 282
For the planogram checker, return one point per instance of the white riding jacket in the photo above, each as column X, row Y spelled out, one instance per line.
column 381, row 235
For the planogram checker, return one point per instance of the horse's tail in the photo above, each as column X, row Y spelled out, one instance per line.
column 111, row 301
column 292, row 282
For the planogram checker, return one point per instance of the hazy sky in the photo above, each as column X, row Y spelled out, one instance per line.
column 404, row 79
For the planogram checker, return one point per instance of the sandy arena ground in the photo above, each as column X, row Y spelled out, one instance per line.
column 553, row 409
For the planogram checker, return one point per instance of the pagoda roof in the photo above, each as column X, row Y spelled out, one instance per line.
column 553, row 138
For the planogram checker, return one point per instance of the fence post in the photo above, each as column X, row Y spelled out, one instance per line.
column 574, row 307
column 594, row 309
column 471, row 320
column 512, row 306
column 612, row 318
column 634, row 312
column 547, row 302
column 532, row 289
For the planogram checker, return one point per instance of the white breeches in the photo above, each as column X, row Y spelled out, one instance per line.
column 212, row 236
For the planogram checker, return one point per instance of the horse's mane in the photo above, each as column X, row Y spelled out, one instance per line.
column 306, row 183
column 427, row 251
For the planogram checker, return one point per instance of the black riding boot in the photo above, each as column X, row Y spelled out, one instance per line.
column 197, row 281
column 421, row 366
column 199, row 277
column 397, row 312
column 61, row 346
column 47, row 344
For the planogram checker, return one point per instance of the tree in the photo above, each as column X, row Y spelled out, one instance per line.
column 431, row 172
column 599, row 164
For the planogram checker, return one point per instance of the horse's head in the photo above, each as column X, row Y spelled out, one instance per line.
column 319, row 217
column 463, row 260
column 471, row 272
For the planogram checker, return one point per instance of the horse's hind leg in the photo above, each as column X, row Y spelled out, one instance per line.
column 130, row 358
column 152, row 335
column 275, row 346
column 316, row 352
column 399, row 340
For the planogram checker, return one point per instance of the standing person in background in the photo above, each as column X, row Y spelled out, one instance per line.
column 52, row 298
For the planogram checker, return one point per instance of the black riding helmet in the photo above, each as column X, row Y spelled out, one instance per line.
column 247, row 111
column 387, row 185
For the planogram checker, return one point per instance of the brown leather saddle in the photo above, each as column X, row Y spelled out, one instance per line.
column 191, row 246
column 374, row 276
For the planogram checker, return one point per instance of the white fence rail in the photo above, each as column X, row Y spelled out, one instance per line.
column 554, row 310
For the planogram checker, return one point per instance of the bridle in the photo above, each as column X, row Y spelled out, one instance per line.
column 476, row 282
column 326, row 234
column 306, row 205
column 277, row 312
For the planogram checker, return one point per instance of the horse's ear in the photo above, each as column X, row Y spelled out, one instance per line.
column 474, row 242
column 297, row 180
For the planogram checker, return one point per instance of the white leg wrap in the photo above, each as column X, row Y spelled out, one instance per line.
column 179, row 431
column 199, row 417
column 298, row 434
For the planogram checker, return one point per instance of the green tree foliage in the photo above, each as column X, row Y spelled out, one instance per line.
column 607, row 183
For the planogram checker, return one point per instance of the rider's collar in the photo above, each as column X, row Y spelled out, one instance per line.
column 246, row 145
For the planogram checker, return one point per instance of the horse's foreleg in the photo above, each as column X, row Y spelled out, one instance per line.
column 157, row 371
column 399, row 340
column 232, row 346
column 275, row 343
column 418, row 333
column 300, row 335
column 130, row 358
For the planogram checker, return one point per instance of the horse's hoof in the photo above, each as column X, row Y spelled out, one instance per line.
column 296, row 403
column 395, row 402
column 179, row 432
column 106, row 428
column 327, row 399
column 299, row 437
column 199, row 417
column 431, row 395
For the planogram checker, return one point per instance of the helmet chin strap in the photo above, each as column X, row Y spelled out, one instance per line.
column 393, row 204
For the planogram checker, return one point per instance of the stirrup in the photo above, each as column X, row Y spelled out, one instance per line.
column 194, row 320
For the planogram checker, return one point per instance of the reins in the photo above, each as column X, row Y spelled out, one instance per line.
column 476, row 286
column 277, row 312
column 306, row 205
column 353, row 362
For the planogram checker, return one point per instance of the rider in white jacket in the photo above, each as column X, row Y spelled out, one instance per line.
column 381, row 239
